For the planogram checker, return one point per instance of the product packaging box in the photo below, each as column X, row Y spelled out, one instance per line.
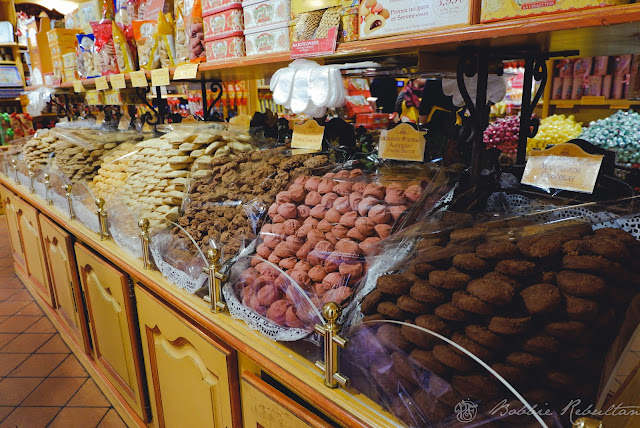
column 600, row 65
column 39, row 48
column 567, row 87
column 565, row 68
column 593, row 86
column 582, row 66
column 607, row 82
column 621, row 65
column 499, row 10
column 301, row 6
column 577, row 87
column 556, row 91
column 62, row 37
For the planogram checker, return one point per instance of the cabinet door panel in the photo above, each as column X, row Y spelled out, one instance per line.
column 33, row 250
column 263, row 406
column 12, row 222
column 61, row 262
column 190, row 376
column 110, row 314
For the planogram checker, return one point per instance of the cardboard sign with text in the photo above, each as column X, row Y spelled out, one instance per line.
column 316, row 47
column 402, row 143
column 308, row 137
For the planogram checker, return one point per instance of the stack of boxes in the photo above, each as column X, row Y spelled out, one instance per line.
column 223, row 29
column 62, row 43
column 41, row 66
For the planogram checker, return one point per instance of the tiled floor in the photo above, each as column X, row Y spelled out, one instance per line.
column 42, row 384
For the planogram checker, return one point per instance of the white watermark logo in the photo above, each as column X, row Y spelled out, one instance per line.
column 466, row 411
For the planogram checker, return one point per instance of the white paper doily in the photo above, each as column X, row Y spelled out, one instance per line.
column 176, row 276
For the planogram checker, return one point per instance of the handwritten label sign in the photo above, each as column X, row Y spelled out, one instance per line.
column 101, row 83
column 186, row 71
column 125, row 121
column 308, row 136
column 316, row 47
column 563, row 166
column 78, row 86
column 117, row 81
column 160, row 77
column 138, row 79
column 402, row 143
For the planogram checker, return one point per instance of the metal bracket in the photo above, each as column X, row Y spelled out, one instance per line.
column 102, row 219
column 47, row 189
column 14, row 165
column 207, row 109
column 534, row 68
column 154, row 118
column 67, row 189
column 215, row 280
column 31, row 176
column 145, row 241
column 331, row 368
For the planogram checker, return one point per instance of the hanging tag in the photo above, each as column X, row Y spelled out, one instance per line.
column 117, row 81
column 125, row 122
column 308, row 137
column 186, row 71
column 77, row 86
column 160, row 77
column 101, row 83
column 563, row 166
column 138, row 79
column 100, row 118
column 402, row 143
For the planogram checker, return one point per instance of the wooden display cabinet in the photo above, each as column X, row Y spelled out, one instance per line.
column 15, row 240
column 192, row 375
column 111, row 313
column 61, row 261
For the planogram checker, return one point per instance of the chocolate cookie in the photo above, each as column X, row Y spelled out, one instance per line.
column 539, row 247
column 541, row 345
column 371, row 301
column 405, row 368
column 498, row 250
column 409, row 304
column 581, row 284
column 588, row 263
column 559, row 380
column 387, row 379
column 617, row 234
column 541, row 298
column 566, row 329
column 470, row 262
column 428, row 243
column 471, row 346
column 451, row 313
column 433, row 323
column 525, row 360
column 509, row 326
column 495, row 292
column 517, row 268
column 467, row 234
column 512, row 374
column 447, row 355
column 469, row 303
column 427, row 360
column 394, row 284
column 434, row 410
column 418, row 337
column 389, row 335
column 374, row 317
column 483, row 336
column 605, row 246
column 580, row 309
column 476, row 386
column 422, row 270
column 450, row 279
column 494, row 276
column 392, row 311
column 423, row 292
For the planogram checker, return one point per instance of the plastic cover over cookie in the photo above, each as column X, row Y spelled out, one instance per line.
column 538, row 297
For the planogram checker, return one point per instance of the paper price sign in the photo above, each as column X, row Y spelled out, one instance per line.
column 124, row 123
column 185, row 71
column 117, row 81
column 402, row 143
column 77, row 86
column 308, row 136
column 160, row 77
column 563, row 166
column 138, row 79
column 101, row 83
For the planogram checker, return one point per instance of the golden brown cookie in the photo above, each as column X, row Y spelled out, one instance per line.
column 509, row 326
column 587, row 263
column 423, row 292
column 389, row 335
column 418, row 337
column 392, row 311
column 409, row 304
column 541, row 298
column 483, row 336
column 451, row 313
column 498, row 250
column 449, row 280
column 447, row 355
column 580, row 309
column 393, row 284
column 470, row 262
column 541, row 345
column 525, row 360
column 581, row 284
column 517, row 268
column 434, row 323
column 371, row 301
column 495, row 292
column 470, row 303
column 427, row 360
column 473, row 347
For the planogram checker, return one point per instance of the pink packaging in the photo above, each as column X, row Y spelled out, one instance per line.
column 556, row 91
column 593, row 86
column 567, row 87
column 229, row 47
column 622, row 65
column 607, row 81
column 582, row 66
column 227, row 23
column 618, row 87
column 566, row 68
column 577, row 89
column 600, row 65
column 214, row 6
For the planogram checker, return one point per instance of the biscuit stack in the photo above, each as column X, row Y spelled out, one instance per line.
column 541, row 309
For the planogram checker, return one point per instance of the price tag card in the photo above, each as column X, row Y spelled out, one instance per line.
column 124, row 123
column 308, row 136
column 77, row 86
column 160, row 77
column 101, row 83
column 138, row 79
column 117, row 81
column 186, row 71
column 563, row 166
column 402, row 143
column 316, row 47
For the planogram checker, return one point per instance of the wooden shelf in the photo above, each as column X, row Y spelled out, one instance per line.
column 607, row 103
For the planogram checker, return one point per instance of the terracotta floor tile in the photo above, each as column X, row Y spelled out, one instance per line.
column 21, row 295
column 42, row 326
column 17, row 323
column 3, row 318
column 10, row 307
column 30, row 417
column 4, row 411
column 27, row 343
column 112, row 420
column 37, row 365
column 14, row 390
column 78, row 417
column 54, row 391
column 31, row 309
column 6, row 338
column 11, row 282
column 54, row 346
column 8, row 362
column 5, row 293
column 89, row 396
column 70, row 367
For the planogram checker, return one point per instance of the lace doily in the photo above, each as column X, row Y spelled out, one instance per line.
column 85, row 216
column 129, row 243
column 257, row 322
column 40, row 189
column 176, row 276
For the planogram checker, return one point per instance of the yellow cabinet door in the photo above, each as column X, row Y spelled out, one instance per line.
column 111, row 319
column 37, row 271
column 192, row 376
column 263, row 406
column 12, row 222
column 61, row 262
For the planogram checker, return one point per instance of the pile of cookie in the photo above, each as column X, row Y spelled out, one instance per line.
column 321, row 229
column 540, row 308
column 152, row 178
column 217, row 209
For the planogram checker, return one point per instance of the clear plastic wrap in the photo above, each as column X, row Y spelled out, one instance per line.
column 123, row 226
column 124, row 57
column 84, row 206
column 86, row 65
column 104, row 47
column 181, row 38
column 144, row 34
column 23, row 172
column 166, row 48
column 56, row 191
column 195, row 30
